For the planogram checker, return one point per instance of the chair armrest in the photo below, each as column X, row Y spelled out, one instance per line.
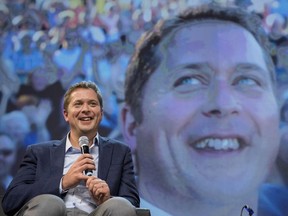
column 142, row 212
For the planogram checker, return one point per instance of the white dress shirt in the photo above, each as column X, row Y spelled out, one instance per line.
column 79, row 197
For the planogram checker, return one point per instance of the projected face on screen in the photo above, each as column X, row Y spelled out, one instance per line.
column 209, row 132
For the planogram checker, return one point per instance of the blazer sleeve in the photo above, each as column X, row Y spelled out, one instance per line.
column 33, row 178
column 116, row 167
column 128, row 188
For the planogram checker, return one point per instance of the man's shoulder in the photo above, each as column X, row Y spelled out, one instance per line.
column 114, row 142
column 46, row 144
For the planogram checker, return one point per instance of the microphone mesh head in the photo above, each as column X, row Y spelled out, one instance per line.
column 83, row 140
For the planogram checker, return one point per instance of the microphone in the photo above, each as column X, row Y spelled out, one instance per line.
column 248, row 209
column 84, row 146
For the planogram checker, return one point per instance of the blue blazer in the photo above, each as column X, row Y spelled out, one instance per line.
column 42, row 169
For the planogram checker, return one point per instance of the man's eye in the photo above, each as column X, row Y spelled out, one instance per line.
column 77, row 104
column 93, row 104
column 246, row 81
column 187, row 80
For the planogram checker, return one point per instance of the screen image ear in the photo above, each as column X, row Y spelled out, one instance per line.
column 128, row 126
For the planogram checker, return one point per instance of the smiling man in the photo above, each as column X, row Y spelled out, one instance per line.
column 52, row 179
column 201, row 113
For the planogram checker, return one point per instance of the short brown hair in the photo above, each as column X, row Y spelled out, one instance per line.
column 82, row 84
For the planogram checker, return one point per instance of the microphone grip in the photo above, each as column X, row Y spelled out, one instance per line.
column 85, row 150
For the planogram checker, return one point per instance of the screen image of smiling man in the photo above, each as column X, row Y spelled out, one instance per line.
column 201, row 114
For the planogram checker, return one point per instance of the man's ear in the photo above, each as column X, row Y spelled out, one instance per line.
column 65, row 115
column 102, row 113
column 128, row 127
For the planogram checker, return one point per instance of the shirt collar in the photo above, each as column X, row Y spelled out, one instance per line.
column 69, row 145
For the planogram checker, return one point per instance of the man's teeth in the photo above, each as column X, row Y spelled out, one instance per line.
column 219, row 144
column 86, row 119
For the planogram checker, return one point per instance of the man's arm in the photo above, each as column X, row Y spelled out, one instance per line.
column 121, row 176
column 128, row 188
column 33, row 178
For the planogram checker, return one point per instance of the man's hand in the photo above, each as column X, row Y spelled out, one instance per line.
column 99, row 189
column 75, row 174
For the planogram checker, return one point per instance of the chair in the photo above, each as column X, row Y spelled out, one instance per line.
column 143, row 212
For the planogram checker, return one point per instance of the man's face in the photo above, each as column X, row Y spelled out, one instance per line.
column 210, row 117
column 7, row 155
column 84, row 113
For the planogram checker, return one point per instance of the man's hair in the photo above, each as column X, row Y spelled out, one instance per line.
column 85, row 85
column 146, row 57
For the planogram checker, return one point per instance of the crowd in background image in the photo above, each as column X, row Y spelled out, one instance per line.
column 48, row 45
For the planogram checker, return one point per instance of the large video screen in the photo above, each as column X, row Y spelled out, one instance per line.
column 202, row 104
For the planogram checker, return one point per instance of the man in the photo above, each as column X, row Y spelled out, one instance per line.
column 51, row 179
column 201, row 113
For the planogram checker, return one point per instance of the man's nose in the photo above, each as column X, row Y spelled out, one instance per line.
column 221, row 101
column 85, row 107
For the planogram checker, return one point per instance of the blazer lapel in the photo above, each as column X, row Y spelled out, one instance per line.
column 105, row 157
column 57, row 152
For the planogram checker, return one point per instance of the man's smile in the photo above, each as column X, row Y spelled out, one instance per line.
column 85, row 119
column 218, row 144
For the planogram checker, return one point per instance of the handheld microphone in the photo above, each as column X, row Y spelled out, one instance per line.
column 84, row 146
column 248, row 209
